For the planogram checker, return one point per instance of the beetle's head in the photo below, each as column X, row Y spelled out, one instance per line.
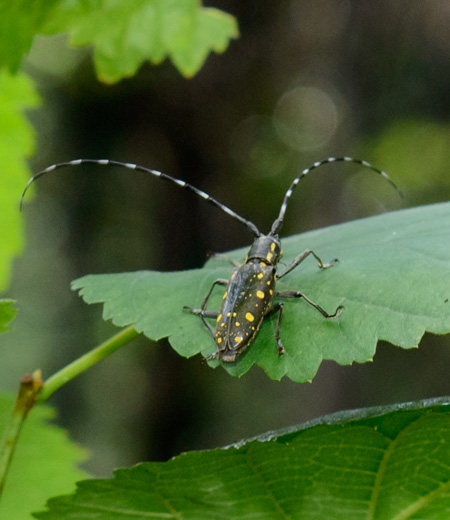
column 266, row 248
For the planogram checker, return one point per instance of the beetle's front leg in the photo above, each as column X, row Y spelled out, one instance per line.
column 225, row 257
column 302, row 256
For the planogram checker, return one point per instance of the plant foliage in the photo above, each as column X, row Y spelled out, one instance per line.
column 392, row 278
column 44, row 463
column 124, row 34
column 390, row 463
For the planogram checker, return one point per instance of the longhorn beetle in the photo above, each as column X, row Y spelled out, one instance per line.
column 247, row 300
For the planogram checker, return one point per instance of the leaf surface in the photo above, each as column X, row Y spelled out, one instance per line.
column 390, row 463
column 44, row 463
column 19, row 22
column 16, row 143
column 124, row 34
column 393, row 279
column 7, row 314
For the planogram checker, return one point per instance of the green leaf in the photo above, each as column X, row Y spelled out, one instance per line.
column 393, row 279
column 7, row 314
column 44, row 463
column 16, row 142
column 390, row 463
column 19, row 22
column 124, row 34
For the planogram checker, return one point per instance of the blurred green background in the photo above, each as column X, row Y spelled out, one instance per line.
column 306, row 80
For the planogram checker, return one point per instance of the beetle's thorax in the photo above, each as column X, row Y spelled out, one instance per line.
column 266, row 248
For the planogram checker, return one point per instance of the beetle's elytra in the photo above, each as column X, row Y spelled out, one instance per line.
column 251, row 288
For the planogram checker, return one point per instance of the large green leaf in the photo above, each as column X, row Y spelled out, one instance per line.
column 19, row 22
column 389, row 463
column 124, row 34
column 393, row 279
column 7, row 314
column 16, row 143
column 44, row 463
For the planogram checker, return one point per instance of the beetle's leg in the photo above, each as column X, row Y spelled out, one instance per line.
column 299, row 259
column 298, row 294
column 278, row 307
column 219, row 281
column 203, row 315
column 202, row 312
column 225, row 257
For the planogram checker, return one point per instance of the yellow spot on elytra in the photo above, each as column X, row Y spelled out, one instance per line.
column 219, row 340
column 269, row 256
column 249, row 317
column 268, row 283
column 228, row 314
column 262, row 263
column 222, row 324
column 238, row 324
column 237, row 339
column 272, row 246
column 260, row 276
column 253, row 328
column 271, row 292
column 260, row 294
column 219, row 318
column 234, row 315
column 233, row 275
column 225, row 295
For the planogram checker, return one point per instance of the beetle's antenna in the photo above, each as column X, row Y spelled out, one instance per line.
column 276, row 226
column 106, row 162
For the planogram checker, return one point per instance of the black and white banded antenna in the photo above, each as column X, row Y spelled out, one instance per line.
column 131, row 166
column 278, row 223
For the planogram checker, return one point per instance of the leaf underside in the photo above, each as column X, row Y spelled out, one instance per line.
column 393, row 279
column 7, row 314
column 124, row 34
column 390, row 463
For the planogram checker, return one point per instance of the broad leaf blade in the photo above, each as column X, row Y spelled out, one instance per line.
column 44, row 463
column 19, row 22
column 393, row 279
column 384, row 464
column 16, row 143
column 7, row 314
column 125, row 34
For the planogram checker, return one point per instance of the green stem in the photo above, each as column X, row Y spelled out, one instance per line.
column 32, row 390
column 84, row 362
column 30, row 386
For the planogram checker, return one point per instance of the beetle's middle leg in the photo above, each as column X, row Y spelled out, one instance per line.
column 277, row 307
column 302, row 256
column 202, row 312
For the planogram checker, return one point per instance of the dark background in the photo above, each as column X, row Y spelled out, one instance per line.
column 306, row 80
